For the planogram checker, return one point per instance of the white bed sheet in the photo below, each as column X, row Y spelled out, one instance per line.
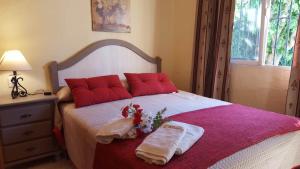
column 81, row 125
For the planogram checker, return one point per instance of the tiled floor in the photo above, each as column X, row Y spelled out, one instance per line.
column 60, row 164
column 47, row 164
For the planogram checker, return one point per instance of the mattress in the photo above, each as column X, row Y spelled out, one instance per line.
column 82, row 124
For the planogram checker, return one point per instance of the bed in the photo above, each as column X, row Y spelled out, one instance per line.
column 113, row 56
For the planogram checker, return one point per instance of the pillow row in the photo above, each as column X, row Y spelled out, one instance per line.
column 89, row 91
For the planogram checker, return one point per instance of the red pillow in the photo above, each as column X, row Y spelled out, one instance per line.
column 97, row 90
column 149, row 83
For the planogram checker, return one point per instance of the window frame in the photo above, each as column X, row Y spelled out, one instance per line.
column 265, row 15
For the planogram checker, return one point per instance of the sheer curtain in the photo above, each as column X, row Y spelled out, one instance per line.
column 293, row 95
column 212, row 48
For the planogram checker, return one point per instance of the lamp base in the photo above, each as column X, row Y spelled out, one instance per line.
column 18, row 89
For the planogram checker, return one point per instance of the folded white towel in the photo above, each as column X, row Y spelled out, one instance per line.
column 159, row 147
column 119, row 129
column 192, row 135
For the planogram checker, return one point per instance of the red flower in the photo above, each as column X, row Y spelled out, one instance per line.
column 136, row 106
column 125, row 111
column 137, row 117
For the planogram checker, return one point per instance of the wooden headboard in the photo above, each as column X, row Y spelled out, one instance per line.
column 105, row 57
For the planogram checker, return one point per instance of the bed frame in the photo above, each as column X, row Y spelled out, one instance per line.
column 104, row 57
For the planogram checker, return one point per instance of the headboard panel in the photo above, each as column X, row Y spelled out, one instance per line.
column 104, row 57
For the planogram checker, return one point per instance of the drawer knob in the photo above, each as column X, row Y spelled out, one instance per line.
column 27, row 133
column 25, row 116
column 30, row 149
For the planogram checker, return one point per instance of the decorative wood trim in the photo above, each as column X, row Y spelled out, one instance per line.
column 54, row 67
column 53, row 70
column 158, row 63
column 99, row 44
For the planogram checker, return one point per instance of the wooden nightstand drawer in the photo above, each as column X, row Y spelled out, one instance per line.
column 26, row 129
column 28, row 149
column 12, row 135
column 26, row 113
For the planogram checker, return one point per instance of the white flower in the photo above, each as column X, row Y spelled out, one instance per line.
column 146, row 124
column 131, row 111
column 147, row 130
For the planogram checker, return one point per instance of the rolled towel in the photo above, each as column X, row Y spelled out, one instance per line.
column 118, row 129
column 159, row 147
column 192, row 135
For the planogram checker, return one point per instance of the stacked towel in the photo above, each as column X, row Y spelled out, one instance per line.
column 160, row 146
column 192, row 135
column 169, row 139
column 119, row 129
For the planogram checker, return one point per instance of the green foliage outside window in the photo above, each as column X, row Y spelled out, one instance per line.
column 281, row 31
column 245, row 37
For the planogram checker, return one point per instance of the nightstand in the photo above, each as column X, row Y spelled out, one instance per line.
column 26, row 129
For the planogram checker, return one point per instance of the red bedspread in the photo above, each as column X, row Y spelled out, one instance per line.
column 228, row 129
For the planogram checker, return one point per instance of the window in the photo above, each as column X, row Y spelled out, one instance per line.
column 264, row 31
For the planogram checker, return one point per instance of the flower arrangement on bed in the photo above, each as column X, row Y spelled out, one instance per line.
column 144, row 122
column 165, row 137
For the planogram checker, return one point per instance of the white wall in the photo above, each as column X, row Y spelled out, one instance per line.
column 259, row 86
column 56, row 29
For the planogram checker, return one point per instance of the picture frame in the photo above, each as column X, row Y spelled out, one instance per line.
column 111, row 16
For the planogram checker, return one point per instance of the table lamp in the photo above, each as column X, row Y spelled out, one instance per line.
column 14, row 60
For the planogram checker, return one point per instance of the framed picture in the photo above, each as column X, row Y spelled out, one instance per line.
column 111, row 15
